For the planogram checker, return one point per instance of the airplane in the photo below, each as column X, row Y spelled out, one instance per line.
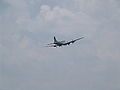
column 62, row 43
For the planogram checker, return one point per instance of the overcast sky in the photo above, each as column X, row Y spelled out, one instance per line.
column 90, row 64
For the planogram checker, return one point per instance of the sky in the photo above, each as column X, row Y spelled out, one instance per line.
column 26, row 26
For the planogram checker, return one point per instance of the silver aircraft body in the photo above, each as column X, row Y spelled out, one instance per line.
column 62, row 43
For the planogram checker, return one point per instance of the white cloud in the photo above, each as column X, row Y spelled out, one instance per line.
column 55, row 13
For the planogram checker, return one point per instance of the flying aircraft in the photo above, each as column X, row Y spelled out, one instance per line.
column 62, row 43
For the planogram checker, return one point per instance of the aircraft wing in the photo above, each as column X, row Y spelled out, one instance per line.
column 72, row 41
column 51, row 45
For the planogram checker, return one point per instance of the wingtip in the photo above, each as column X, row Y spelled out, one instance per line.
column 81, row 37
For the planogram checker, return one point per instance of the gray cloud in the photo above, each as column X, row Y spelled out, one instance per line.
column 27, row 25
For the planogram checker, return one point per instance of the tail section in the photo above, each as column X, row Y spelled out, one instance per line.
column 55, row 39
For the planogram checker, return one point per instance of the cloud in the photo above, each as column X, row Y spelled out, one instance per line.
column 92, row 63
column 55, row 13
column 19, row 4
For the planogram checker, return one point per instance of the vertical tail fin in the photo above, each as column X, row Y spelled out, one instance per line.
column 55, row 39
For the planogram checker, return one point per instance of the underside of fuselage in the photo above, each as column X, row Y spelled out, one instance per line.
column 59, row 43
